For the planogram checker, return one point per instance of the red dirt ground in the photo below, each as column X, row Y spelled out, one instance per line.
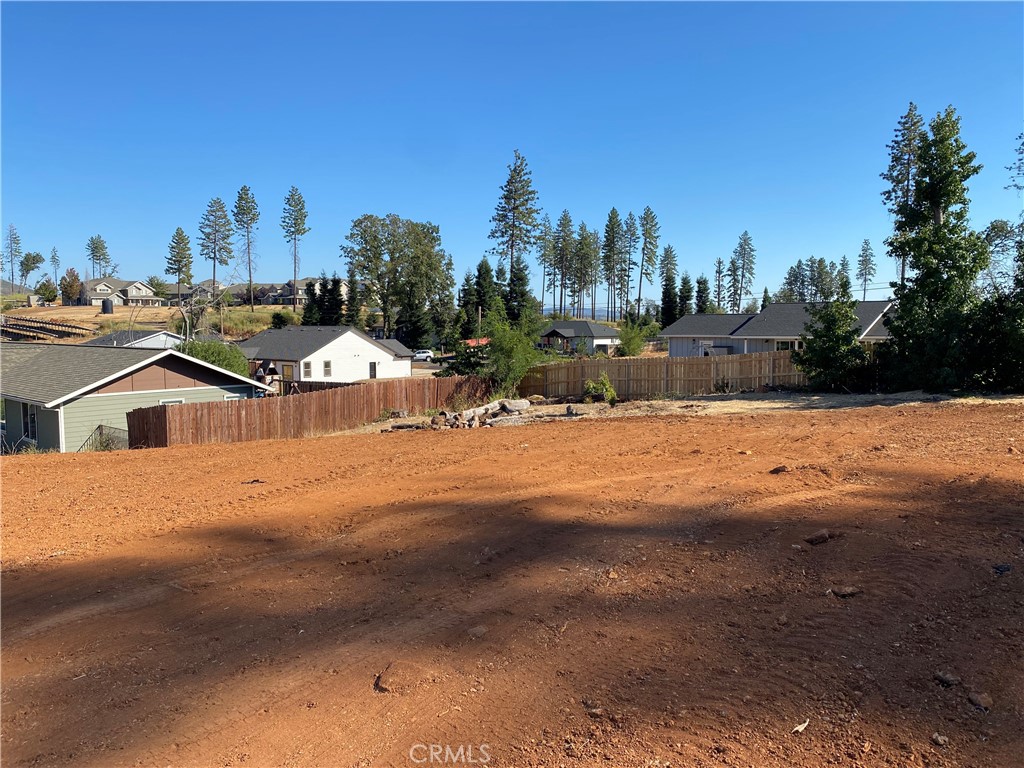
column 621, row 592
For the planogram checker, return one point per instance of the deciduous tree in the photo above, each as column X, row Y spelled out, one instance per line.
column 70, row 286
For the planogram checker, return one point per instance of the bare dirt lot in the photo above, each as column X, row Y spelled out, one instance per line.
column 624, row 592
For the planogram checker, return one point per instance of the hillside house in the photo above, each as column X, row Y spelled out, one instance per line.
column 582, row 336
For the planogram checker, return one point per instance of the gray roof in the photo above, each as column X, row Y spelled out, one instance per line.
column 48, row 374
column 787, row 321
column 297, row 342
column 706, row 325
column 125, row 338
column 397, row 348
column 571, row 329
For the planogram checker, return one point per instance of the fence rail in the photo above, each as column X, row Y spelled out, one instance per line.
column 303, row 415
column 641, row 377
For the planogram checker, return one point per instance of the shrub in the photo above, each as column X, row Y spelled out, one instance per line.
column 284, row 319
column 602, row 388
column 631, row 340
column 226, row 356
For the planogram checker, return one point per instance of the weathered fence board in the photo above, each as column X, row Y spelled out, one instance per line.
column 636, row 378
column 303, row 415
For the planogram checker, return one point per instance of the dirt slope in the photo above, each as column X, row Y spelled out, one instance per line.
column 627, row 592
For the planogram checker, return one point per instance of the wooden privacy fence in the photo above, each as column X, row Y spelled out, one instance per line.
column 304, row 415
column 637, row 378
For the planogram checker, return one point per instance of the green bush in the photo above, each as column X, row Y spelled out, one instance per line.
column 226, row 356
column 602, row 387
column 631, row 340
column 284, row 319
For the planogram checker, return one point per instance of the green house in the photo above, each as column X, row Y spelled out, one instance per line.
column 63, row 396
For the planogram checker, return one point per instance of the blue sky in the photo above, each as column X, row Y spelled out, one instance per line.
column 125, row 119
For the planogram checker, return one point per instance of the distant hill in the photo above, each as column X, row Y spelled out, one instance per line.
column 7, row 288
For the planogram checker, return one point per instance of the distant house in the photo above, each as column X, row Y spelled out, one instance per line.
column 141, row 338
column 704, row 335
column 325, row 353
column 124, row 293
column 397, row 348
column 583, row 336
column 59, row 396
column 776, row 328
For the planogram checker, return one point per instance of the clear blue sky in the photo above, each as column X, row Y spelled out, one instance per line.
column 125, row 119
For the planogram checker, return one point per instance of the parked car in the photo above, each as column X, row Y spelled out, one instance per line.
column 423, row 356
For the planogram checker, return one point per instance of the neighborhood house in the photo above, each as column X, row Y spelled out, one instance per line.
column 61, row 396
column 324, row 353
column 127, row 293
column 776, row 328
column 141, row 339
column 583, row 336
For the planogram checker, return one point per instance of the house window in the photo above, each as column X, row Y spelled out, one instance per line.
column 287, row 372
column 788, row 346
column 307, row 370
column 233, row 397
column 29, row 418
column 373, row 370
column 174, row 401
column 102, row 289
column 327, row 368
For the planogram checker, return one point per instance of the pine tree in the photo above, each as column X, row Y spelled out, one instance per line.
column 669, row 269
column 702, row 302
column 930, row 336
column 832, row 352
column 293, row 223
column 734, row 285
column 565, row 245
column 515, row 217
column 546, row 260
column 612, row 247
column 179, row 259
column 55, row 263
column 46, row 289
column 586, row 256
column 353, row 299
column 649, row 231
column 766, row 299
column 519, row 300
column 865, row 268
column 70, row 287
column 12, row 249
column 745, row 257
column 215, row 233
column 486, row 290
column 685, row 305
column 631, row 241
column 246, row 215
column 719, row 295
column 99, row 257
column 901, row 175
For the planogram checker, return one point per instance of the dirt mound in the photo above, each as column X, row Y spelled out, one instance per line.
column 630, row 592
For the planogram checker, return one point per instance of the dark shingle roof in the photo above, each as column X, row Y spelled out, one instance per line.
column 706, row 325
column 124, row 338
column 50, row 373
column 787, row 321
column 397, row 348
column 297, row 342
column 571, row 329
column 43, row 373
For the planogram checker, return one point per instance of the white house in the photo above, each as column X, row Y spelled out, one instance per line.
column 132, row 293
column 336, row 353
column 582, row 336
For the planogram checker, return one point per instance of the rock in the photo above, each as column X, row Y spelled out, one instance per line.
column 514, row 406
column 820, row 537
column 437, row 420
column 570, row 411
column 477, row 631
column 745, row 453
column 939, row 740
column 536, row 399
column 779, row 470
column 947, row 679
column 846, row 591
column 980, row 700
column 1002, row 569
column 400, row 414
column 612, row 574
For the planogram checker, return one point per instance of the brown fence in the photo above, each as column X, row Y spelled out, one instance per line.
column 303, row 415
column 640, row 377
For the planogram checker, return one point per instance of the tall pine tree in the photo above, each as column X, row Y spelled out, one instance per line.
column 901, row 175
column 865, row 267
column 649, row 232
column 685, row 295
column 215, row 233
column 12, row 249
column 179, row 259
column 669, row 268
column 293, row 224
column 702, row 301
column 516, row 225
column 246, row 215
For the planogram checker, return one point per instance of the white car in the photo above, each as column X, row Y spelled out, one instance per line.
column 423, row 356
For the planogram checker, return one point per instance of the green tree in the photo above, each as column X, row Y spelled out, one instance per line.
column 766, row 299
column 70, row 287
column 832, row 354
column 686, row 295
column 631, row 340
column 99, row 257
column 353, row 299
column 280, row 320
column 46, row 289
column 930, row 338
column 293, row 223
column 12, row 249
column 744, row 258
column 215, row 233
column 160, row 287
column 55, row 263
column 518, row 299
column 565, row 245
column 546, row 260
column 734, row 288
column 179, row 259
column 649, row 232
column 668, row 268
column 901, row 175
column 516, row 226
column 719, row 294
column 226, row 356
column 630, row 242
column 865, row 267
column 29, row 263
column 612, row 248
column 246, row 215
column 702, row 301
